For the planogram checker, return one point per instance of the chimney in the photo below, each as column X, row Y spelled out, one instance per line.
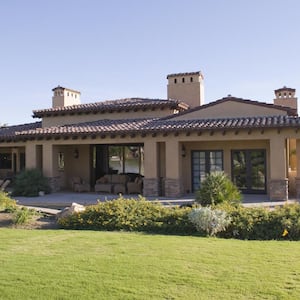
column 187, row 87
column 286, row 97
column 65, row 97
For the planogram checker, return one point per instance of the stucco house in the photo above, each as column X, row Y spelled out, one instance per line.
column 171, row 143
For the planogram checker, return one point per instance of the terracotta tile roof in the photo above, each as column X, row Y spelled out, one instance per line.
column 290, row 111
column 144, row 126
column 225, row 123
column 127, row 104
column 9, row 132
column 101, row 126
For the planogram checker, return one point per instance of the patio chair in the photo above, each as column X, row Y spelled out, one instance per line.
column 135, row 187
column 79, row 185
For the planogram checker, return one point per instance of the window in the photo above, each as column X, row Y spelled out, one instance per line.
column 61, row 161
column 191, row 79
column 126, row 159
column 183, row 80
column 175, row 80
column 205, row 162
column 5, row 161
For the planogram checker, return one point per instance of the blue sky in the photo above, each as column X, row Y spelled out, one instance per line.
column 116, row 49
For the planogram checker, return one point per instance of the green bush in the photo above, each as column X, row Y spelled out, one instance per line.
column 262, row 223
column 130, row 215
column 6, row 203
column 23, row 215
column 29, row 183
column 208, row 220
column 217, row 188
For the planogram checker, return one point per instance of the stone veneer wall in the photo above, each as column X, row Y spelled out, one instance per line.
column 173, row 187
column 151, row 187
column 279, row 189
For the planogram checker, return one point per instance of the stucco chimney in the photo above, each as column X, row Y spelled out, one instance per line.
column 286, row 97
column 187, row 87
column 65, row 97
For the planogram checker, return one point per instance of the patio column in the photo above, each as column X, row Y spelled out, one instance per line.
column 49, row 166
column 298, row 169
column 278, row 169
column 173, row 182
column 151, row 180
column 30, row 156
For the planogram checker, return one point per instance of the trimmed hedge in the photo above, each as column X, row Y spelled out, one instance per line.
column 263, row 223
column 141, row 215
column 131, row 215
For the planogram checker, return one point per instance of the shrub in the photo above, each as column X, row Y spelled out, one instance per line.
column 262, row 223
column 130, row 215
column 23, row 215
column 217, row 188
column 29, row 183
column 6, row 203
column 208, row 220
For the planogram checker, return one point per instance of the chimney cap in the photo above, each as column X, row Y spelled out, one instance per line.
column 284, row 89
column 63, row 88
column 185, row 74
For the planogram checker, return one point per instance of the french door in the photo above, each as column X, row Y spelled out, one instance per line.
column 249, row 170
column 205, row 162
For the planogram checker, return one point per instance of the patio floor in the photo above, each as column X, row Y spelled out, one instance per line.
column 64, row 199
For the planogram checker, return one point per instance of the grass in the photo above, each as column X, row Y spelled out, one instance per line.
column 58, row 264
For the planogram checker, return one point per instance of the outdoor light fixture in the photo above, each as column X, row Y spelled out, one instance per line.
column 183, row 151
column 76, row 153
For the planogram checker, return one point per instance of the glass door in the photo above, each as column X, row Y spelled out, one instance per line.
column 205, row 162
column 249, row 170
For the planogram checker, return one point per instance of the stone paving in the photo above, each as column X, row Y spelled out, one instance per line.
column 60, row 200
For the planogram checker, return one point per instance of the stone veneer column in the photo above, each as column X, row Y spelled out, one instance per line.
column 48, row 166
column 173, row 181
column 151, row 187
column 279, row 189
column 278, row 183
column 151, row 181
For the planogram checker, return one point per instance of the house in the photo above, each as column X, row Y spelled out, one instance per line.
column 171, row 142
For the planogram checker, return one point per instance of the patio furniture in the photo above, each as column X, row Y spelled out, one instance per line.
column 112, row 183
column 135, row 187
column 79, row 185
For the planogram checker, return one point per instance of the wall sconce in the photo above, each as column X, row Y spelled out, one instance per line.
column 76, row 153
column 183, row 151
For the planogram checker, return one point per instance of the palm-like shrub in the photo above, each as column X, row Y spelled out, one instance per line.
column 217, row 188
column 29, row 183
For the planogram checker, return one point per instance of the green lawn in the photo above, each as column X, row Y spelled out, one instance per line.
column 57, row 264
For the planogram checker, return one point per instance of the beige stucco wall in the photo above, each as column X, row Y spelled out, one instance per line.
column 73, row 119
column 231, row 109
